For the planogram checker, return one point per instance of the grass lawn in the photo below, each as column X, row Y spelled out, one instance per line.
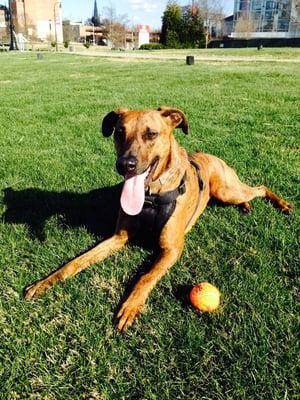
column 273, row 53
column 55, row 171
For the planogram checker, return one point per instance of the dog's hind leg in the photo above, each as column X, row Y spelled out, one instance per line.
column 242, row 194
column 226, row 187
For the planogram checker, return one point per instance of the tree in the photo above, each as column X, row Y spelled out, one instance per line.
column 191, row 32
column 115, row 27
column 182, row 26
column 244, row 26
column 212, row 13
column 171, row 21
column 295, row 17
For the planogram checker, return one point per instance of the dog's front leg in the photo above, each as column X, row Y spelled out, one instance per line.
column 134, row 304
column 98, row 253
column 104, row 249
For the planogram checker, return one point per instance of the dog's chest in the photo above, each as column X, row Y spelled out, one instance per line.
column 154, row 216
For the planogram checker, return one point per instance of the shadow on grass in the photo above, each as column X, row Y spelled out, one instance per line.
column 181, row 293
column 96, row 210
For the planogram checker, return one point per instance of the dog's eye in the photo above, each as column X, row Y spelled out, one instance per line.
column 150, row 135
column 119, row 133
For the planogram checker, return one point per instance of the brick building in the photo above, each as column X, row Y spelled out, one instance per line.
column 3, row 24
column 78, row 32
column 38, row 20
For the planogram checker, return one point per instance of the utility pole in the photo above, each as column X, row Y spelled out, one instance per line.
column 25, row 20
column 13, row 44
column 55, row 23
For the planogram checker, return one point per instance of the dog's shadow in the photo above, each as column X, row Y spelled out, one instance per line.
column 96, row 210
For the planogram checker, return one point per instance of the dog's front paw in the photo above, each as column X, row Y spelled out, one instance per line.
column 35, row 290
column 286, row 208
column 129, row 311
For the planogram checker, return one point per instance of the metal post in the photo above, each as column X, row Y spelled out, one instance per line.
column 94, row 42
column 50, row 29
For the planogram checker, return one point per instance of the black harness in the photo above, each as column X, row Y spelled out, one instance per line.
column 158, row 208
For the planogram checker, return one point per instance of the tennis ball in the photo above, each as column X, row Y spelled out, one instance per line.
column 205, row 297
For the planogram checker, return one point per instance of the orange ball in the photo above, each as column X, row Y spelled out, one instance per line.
column 205, row 297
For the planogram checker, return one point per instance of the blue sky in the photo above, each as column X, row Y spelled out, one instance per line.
column 147, row 12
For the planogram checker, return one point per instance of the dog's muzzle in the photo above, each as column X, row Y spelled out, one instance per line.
column 126, row 165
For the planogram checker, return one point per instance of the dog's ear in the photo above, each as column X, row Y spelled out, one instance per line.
column 110, row 121
column 176, row 117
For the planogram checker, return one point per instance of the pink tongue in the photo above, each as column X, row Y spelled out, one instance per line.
column 133, row 194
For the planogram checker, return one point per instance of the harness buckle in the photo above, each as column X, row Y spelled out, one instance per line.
column 181, row 188
column 151, row 202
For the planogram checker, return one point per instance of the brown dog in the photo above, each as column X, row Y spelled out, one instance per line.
column 178, row 190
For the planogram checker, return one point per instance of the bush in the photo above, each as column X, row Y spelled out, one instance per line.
column 152, row 46
column 173, row 41
column 87, row 45
column 66, row 44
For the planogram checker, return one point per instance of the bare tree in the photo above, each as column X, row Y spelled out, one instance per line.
column 212, row 13
column 296, row 9
column 295, row 16
column 244, row 26
column 115, row 26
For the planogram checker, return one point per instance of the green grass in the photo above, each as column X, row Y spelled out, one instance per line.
column 267, row 52
column 53, row 165
column 283, row 52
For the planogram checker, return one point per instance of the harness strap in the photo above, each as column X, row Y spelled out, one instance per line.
column 196, row 166
column 158, row 208
column 166, row 197
column 201, row 185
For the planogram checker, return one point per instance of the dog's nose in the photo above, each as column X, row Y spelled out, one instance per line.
column 126, row 164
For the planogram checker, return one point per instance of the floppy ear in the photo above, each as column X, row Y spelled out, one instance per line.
column 177, row 118
column 110, row 120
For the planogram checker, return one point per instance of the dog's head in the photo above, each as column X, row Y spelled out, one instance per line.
column 142, row 140
column 142, row 137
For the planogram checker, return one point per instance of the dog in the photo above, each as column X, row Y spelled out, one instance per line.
column 164, row 190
